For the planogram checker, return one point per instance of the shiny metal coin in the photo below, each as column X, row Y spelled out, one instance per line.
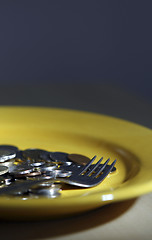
column 3, row 169
column 48, row 184
column 20, row 169
column 47, row 193
column 78, row 158
column 33, row 153
column 50, row 176
column 33, row 174
column 30, row 175
column 48, row 167
column 37, row 163
column 8, row 163
column 52, row 191
column 7, row 152
column 60, row 158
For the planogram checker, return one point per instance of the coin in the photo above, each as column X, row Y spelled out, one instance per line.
column 47, row 193
column 46, row 190
column 21, row 169
column 48, row 168
column 46, row 184
column 3, row 169
column 33, row 174
column 27, row 175
column 37, row 163
column 48, row 176
column 33, row 153
column 78, row 158
column 60, row 157
column 8, row 163
column 7, row 152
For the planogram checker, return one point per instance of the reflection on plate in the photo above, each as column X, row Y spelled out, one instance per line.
column 83, row 133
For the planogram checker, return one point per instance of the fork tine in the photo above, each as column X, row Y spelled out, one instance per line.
column 87, row 165
column 106, row 172
column 101, row 169
column 94, row 167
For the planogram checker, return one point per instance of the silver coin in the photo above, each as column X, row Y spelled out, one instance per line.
column 49, row 193
column 33, row 153
column 3, row 169
column 37, row 163
column 46, row 193
column 33, row 174
column 52, row 191
column 48, row 167
column 50, row 176
column 46, row 185
column 7, row 152
column 30, row 175
column 20, row 169
column 60, row 157
column 8, row 163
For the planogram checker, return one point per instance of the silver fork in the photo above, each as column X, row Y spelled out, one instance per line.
column 87, row 176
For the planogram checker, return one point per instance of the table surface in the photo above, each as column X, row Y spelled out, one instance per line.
column 124, row 220
column 129, row 219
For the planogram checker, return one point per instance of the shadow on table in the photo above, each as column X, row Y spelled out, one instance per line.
column 64, row 226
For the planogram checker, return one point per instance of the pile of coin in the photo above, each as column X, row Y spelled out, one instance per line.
column 32, row 172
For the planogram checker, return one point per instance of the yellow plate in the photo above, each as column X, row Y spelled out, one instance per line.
column 82, row 133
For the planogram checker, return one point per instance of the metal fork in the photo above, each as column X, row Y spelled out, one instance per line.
column 87, row 176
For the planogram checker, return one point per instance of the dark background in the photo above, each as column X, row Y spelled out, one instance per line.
column 87, row 55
